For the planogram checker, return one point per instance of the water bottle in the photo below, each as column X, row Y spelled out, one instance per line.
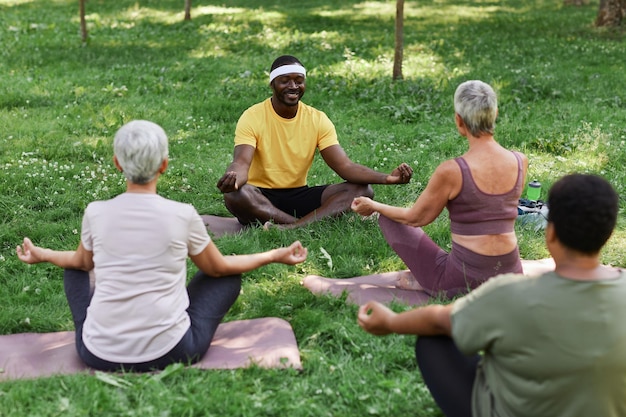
column 533, row 192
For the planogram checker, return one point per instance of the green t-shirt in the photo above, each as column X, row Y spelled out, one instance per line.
column 551, row 346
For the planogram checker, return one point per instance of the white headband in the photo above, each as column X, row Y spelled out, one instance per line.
column 287, row 69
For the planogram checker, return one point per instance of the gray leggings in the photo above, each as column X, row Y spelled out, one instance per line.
column 209, row 301
column 438, row 271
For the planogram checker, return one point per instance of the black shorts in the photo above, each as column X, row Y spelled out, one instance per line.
column 297, row 202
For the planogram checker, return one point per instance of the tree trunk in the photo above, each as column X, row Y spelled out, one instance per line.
column 611, row 13
column 399, row 50
column 187, row 9
column 83, row 24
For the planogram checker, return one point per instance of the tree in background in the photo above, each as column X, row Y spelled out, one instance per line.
column 611, row 13
column 399, row 49
column 187, row 9
column 83, row 23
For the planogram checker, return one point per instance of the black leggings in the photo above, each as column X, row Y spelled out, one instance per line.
column 209, row 301
column 448, row 374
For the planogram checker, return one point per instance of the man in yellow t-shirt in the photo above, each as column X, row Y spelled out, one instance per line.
column 275, row 142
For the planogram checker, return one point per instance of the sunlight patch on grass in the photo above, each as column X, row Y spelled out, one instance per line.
column 454, row 13
column 423, row 63
column 221, row 31
column 11, row 3
column 365, row 9
column 355, row 67
column 419, row 63
column 129, row 17
column 442, row 12
column 613, row 252
column 215, row 10
column 326, row 40
column 140, row 13
column 587, row 151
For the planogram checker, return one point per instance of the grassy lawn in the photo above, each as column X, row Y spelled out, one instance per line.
column 562, row 102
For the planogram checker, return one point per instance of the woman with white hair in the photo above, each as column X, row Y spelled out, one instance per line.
column 141, row 315
column 480, row 189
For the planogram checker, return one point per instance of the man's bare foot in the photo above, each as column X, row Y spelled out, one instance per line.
column 406, row 281
column 269, row 225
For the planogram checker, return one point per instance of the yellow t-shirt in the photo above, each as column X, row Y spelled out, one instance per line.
column 284, row 147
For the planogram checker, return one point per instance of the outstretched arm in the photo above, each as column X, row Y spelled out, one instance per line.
column 213, row 263
column 236, row 174
column 337, row 159
column 429, row 320
column 78, row 259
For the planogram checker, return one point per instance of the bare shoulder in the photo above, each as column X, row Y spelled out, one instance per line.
column 522, row 156
column 448, row 169
column 446, row 179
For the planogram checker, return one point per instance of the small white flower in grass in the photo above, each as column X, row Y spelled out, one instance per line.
column 328, row 257
column 75, row 231
column 26, row 320
column 64, row 404
column 2, row 258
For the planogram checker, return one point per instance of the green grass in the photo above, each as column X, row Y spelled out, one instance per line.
column 562, row 102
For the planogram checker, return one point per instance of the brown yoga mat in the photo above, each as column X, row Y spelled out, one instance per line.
column 382, row 287
column 265, row 342
column 219, row 226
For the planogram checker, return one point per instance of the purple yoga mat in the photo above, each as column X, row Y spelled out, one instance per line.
column 265, row 342
column 382, row 287
column 220, row 226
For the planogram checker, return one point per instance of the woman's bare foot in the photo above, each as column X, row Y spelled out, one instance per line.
column 406, row 281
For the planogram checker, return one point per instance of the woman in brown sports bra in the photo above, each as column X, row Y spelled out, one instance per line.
column 480, row 189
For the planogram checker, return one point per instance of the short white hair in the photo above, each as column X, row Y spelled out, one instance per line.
column 477, row 104
column 140, row 147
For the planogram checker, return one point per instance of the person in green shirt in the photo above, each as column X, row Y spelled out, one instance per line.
column 548, row 345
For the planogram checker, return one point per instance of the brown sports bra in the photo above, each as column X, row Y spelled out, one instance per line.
column 474, row 212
